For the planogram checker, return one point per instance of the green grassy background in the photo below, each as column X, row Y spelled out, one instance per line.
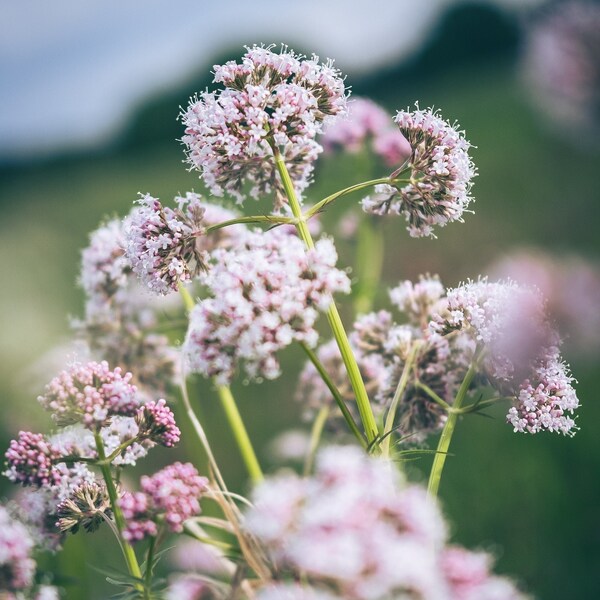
column 533, row 500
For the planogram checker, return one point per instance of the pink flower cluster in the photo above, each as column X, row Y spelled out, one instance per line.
column 172, row 493
column 367, row 121
column 31, row 460
column 104, row 268
column 571, row 286
column 17, row 568
column 383, row 346
column 165, row 246
column 266, row 293
column 356, row 532
column 91, row 394
column 561, row 66
column 119, row 318
column 441, row 171
column 519, row 347
column 547, row 398
column 156, row 422
column 284, row 99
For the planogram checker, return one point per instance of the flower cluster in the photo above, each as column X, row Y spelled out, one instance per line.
column 156, row 423
column 441, row 171
column 517, row 349
column 266, row 292
column 384, row 348
column 91, row 394
column 17, row 568
column 31, row 460
column 166, row 246
column 172, row 493
column 104, row 268
column 119, row 318
column 571, row 286
column 367, row 121
column 269, row 99
column 356, row 532
column 562, row 66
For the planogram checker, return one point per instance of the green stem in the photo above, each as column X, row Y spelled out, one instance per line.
column 272, row 219
column 315, row 438
column 353, row 188
column 444, row 443
column 333, row 316
column 188, row 301
column 128, row 552
column 314, row 359
column 149, row 568
column 369, row 263
column 241, row 435
column 435, row 397
column 401, row 387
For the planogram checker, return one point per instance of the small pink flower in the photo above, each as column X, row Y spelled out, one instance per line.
column 31, row 460
column 156, row 423
column 90, row 394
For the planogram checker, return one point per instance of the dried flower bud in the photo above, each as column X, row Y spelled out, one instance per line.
column 87, row 507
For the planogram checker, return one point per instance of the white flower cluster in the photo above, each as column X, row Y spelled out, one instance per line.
column 166, row 246
column 354, row 531
column 519, row 347
column 441, row 171
column 119, row 318
column 265, row 293
column 284, row 99
column 382, row 344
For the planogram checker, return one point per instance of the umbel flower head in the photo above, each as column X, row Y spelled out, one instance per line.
column 279, row 98
column 90, row 394
column 17, row 567
column 441, row 171
column 266, row 293
column 166, row 246
column 119, row 319
column 156, row 423
column 355, row 531
column 519, row 348
column 31, row 460
column 561, row 65
column 172, row 494
column 383, row 343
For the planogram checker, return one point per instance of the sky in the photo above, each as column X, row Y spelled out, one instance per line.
column 72, row 72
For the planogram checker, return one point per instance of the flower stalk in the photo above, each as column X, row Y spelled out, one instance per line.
column 128, row 552
column 444, row 444
column 240, row 433
column 362, row 399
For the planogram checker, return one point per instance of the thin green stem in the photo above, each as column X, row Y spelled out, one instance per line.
column 188, row 301
column 353, row 188
column 233, row 416
column 314, row 359
column 315, row 438
column 400, row 388
column 271, row 219
column 128, row 552
column 369, row 263
column 434, row 396
column 239, row 431
column 333, row 316
column 149, row 568
column 446, row 437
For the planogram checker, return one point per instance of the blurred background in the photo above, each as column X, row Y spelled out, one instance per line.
column 89, row 97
